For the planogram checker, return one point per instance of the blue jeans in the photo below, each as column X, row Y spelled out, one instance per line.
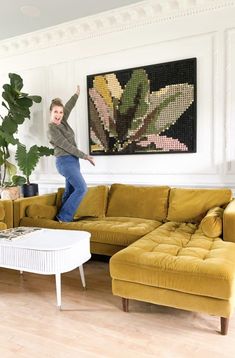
column 75, row 186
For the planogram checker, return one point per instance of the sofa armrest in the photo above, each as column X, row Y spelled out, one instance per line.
column 21, row 204
column 8, row 208
column 229, row 222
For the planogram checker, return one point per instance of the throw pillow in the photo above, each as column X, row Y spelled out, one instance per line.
column 212, row 224
column 41, row 211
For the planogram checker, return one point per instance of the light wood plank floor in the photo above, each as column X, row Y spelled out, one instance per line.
column 92, row 323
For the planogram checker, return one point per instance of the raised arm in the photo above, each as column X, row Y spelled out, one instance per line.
column 70, row 104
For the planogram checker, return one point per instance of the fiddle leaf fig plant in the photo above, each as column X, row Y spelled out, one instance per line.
column 27, row 160
column 17, row 107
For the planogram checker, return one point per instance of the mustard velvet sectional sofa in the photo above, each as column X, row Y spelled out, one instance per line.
column 169, row 246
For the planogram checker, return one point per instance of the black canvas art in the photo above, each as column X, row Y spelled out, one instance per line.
column 149, row 109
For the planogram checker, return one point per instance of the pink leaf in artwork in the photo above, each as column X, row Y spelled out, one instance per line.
column 163, row 142
column 105, row 112
column 95, row 138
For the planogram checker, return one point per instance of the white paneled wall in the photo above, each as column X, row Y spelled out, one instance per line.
column 53, row 65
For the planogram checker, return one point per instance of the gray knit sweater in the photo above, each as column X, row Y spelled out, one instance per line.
column 62, row 136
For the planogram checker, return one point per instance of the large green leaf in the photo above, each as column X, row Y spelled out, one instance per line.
column 45, row 151
column 18, row 180
column 9, row 125
column 24, row 102
column 133, row 104
column 9, row 89
column 154, row 124
column 18, row 118
column 16, row 81
column 27, row 161
column 165, row 108
column 36, row 99
column 172, row 101
column 20, row 110
column 9, row 98
column 137, row 86
column 8, row 138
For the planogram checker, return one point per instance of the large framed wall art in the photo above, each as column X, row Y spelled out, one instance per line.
column 149, row 109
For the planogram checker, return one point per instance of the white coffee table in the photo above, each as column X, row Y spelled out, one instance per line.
column 47, row 252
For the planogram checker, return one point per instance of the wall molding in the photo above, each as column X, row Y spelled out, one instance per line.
column 121, row 19
column 229, row 41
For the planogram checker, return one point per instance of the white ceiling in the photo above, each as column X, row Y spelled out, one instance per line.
column 22, row 16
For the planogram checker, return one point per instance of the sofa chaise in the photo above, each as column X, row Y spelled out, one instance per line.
column 169, row 246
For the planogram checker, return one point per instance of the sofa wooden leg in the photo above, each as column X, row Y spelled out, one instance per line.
column 224, row 325
column 125, row 304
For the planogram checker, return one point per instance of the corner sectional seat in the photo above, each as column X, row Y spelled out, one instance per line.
column 169, row 246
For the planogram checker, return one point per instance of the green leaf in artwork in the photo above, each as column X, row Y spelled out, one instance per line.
column 133, row 104
column 134, row 94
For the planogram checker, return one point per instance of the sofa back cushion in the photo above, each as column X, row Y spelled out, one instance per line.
column 93, row 204
column 147, row 202
column 191, row 205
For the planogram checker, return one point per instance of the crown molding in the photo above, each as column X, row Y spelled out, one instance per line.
column 123, row 18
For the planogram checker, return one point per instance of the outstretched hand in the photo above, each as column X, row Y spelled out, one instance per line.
column 78, row 90
column 90, row 159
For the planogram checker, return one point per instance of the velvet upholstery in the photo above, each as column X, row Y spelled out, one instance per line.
column 41, row 211
column 166, row 244
column 93, row 204
column 110, row 231
column 229, row 222
column 212, row 224
column 187, row 261
column 6, row 214
column 138, row 201
column 191, row 205
column 21, row 205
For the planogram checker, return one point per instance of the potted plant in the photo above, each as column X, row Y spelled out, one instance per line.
column 17, row 107
column 27, row 161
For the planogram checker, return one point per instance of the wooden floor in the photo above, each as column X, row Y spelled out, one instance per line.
column 92, row 323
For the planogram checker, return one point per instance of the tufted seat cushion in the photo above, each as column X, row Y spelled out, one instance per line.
column 178, row 256
column 114, row 231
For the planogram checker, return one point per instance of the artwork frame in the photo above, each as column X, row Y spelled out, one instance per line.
column 143, row 110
